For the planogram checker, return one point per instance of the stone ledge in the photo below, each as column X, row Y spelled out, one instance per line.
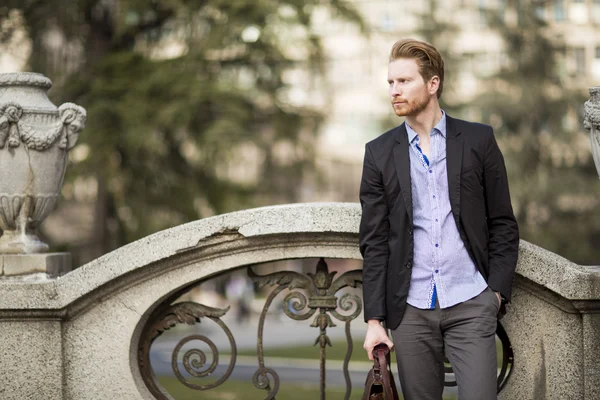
column 287, row 223
column 561, row 276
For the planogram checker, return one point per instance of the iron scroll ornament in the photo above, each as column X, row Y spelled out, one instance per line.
column 310, row 295
column 189, row 313
column 321, row 290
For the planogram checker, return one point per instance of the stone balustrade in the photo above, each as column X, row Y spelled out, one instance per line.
column 79, row 336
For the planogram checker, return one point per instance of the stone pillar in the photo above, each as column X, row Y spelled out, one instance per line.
column 553, row 324
column 35, row 138
column 591, row 318
column 592, row 123
column 31, row 356
column 591, row 347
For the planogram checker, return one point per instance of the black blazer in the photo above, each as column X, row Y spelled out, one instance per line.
column 480, row 201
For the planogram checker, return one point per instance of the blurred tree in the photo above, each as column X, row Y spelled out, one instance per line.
column 536, row 111
column 188, row 111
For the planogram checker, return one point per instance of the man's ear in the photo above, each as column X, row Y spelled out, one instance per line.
column 433, row 84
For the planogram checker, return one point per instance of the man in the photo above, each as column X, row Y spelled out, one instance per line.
column 438, row 236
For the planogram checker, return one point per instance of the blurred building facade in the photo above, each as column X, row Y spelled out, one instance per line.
column 354, row 92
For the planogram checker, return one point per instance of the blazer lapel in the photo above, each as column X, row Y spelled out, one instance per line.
column 402, row 162
column 454, row 156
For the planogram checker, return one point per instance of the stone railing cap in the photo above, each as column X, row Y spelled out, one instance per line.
column 273, row 220
column 545, row 268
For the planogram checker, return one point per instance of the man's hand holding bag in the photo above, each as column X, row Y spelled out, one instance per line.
column 380, row 383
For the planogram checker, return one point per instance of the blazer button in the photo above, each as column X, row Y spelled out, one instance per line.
column 408, row 264
column 410, row 231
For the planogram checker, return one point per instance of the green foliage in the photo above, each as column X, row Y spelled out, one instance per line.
column 535, row 110
column 245, row 390
column 186, row 101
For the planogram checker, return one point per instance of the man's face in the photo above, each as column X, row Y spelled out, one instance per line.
column 409, row 93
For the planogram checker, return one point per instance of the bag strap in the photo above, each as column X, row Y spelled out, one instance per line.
column 382, row 373
column 368, row 385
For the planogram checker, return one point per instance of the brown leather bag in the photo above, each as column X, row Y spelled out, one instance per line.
column 380, row 383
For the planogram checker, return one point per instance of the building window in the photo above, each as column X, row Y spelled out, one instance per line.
column 483, row 12
column 561, row 62
column 501, row 9
column 387, row 22
column 596, row 11
column 597, row 52
column 540, row 12
column 559, row 10
column 579, row 60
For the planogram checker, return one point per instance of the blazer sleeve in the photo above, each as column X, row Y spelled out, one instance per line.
column 503, row 243
column 373, row 238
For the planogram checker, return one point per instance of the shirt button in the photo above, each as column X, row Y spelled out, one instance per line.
column 434, row 197
column 430, row 171
column 437, row 245
column 437, row 270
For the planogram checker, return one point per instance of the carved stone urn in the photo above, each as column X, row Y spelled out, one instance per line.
column 592, row 123
column 35, row 138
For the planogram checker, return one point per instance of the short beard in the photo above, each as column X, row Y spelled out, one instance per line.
column 415, row 108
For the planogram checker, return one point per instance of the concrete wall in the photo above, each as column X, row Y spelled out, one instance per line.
column 31, row 359
column 76, row 337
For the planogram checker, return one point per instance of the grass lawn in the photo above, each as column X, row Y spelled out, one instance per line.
column 237, row 390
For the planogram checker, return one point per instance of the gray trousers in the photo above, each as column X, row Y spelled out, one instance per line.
column 466, row 333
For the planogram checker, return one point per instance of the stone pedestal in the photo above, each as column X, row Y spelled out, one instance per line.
column 17, row 265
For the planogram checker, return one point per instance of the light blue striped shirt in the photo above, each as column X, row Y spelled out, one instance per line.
column 442, row 267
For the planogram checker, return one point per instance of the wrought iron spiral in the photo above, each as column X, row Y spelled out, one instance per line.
column 346, row 303
column 298, row 302
column 194, row 359
column 193, row 365
column 261, row 380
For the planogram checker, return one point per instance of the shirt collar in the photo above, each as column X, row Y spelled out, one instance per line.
column 440, row 127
